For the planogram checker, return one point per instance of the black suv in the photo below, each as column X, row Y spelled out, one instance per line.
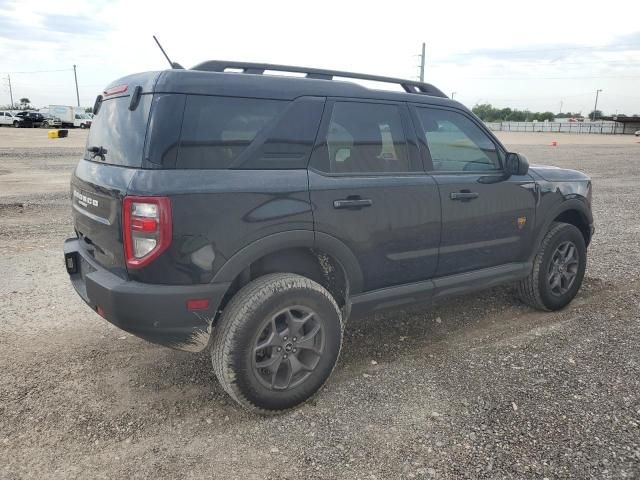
column 229, row 208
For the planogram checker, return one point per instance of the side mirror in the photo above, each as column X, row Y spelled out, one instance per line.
column 516, row 164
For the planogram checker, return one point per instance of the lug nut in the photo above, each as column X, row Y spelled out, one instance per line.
column 295, row 350
column 294, row 339
column 279, row 349
column 285, row 337
column 285, row 355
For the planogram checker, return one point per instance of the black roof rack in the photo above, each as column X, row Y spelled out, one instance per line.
column 409, row 86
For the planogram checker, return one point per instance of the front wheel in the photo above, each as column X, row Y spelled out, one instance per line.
column 16, row 124
column 277, row 342
column 558, row 269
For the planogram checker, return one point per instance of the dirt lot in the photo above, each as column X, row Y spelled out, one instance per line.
column 483, row 387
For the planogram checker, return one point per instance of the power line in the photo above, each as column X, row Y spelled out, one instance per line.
column 42, row 71
column 547, row 63
column 528, row 77
column 609, row 47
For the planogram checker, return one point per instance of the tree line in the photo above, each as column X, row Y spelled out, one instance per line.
column 25, row 104
column 489, row 113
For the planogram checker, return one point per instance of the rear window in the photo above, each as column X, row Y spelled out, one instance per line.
column 216, row 130
column 118, row 133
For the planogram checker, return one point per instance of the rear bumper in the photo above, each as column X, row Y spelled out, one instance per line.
column 157, row 313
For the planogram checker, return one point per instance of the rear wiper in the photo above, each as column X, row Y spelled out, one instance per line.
column 97, row 152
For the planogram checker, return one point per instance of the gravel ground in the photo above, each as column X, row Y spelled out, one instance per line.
column 482, row 387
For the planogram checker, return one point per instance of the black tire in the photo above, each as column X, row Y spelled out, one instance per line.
column 16, row 124
column 83, row 126
column 259, row 314
column 539, row 289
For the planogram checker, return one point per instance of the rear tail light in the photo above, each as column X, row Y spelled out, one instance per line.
column 146, row 225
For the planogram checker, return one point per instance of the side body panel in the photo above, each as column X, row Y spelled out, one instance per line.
column 218, row 212
column 396, row 239
column 493, row 229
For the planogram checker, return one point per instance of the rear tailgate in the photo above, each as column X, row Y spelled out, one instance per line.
column 113, row 154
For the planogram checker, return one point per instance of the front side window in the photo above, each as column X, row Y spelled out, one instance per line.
column 366, row 138
column 456, row 143
column 216, row 130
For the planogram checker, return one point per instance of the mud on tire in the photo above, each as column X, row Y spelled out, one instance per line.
column 277, row 342
column 558, row 269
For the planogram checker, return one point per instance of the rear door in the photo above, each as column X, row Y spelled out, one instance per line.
column 114, row 152
column 487, row 216
column 368, row 189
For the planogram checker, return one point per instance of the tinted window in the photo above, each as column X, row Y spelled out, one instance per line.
column 216, row 130
column 119, row 131
column 289, row 143
column 365, row 138
column 163, row 134
column 456, row 143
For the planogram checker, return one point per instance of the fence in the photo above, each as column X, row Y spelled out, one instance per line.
column 567, row 127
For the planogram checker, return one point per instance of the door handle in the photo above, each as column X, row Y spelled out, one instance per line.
column 354, row 203
column 463, row 195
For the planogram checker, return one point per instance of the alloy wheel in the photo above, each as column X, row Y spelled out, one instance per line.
column 288, row 348
column 563, row 268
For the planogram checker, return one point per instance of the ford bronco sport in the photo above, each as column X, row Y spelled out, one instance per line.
column 229, row 208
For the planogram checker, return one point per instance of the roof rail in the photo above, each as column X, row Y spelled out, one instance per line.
column 409, row 86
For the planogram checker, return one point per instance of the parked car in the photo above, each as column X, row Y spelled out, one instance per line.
column 51, row 122
column 9, row 119
column 253, row 214
column 30, row 119
column 637, row 134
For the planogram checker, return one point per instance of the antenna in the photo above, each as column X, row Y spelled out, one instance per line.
column 172, row 64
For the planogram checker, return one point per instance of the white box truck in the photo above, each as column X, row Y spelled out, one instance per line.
column 70, row 116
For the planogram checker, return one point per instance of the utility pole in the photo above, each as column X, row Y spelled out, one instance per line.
column 595, row 107
column 77, row 92
column 561, row 102
column 453, row 94
column 422, row 59
column 10, row 90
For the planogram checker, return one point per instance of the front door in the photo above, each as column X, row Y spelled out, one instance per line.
column 368, row 189
column 487, row 216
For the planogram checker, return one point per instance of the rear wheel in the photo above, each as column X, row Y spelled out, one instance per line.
column 558, row 269
column 277, row 342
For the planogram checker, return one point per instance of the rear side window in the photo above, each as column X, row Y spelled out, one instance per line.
column 216, row 130
column 118, row 133
column 366, row 138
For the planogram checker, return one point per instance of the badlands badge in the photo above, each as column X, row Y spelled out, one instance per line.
column 522, row 222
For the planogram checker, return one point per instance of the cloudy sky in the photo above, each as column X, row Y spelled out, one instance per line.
column 533, row 54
